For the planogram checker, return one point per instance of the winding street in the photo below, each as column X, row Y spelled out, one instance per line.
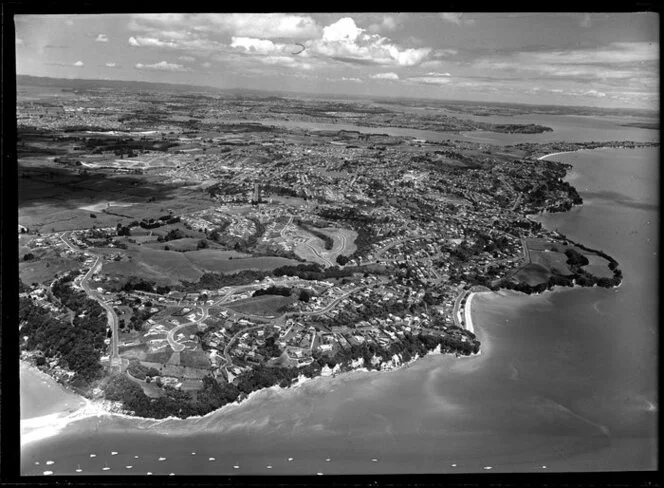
column 175, row 345
column 116, row 363
column 283, row 316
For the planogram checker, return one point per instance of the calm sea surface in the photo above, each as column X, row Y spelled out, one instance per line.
column 566, row 381
column 569, row 128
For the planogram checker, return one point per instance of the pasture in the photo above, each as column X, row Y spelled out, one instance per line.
column 267, row 305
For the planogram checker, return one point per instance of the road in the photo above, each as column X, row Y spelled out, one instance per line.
column 287, row 314
column 227, row 356
column 526, row 251
column 115, row 359
column 175, row 345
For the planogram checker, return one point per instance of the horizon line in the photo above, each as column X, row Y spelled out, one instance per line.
column 335, row 94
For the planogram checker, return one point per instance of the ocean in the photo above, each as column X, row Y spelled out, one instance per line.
column 566, row 380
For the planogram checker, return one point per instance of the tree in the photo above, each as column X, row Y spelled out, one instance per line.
column 28, row 256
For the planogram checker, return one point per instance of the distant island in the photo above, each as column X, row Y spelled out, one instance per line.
column 174, row 261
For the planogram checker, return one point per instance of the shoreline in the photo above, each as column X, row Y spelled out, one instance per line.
column 558, row 153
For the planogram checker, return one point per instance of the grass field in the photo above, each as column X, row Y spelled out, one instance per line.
column 44, row 270
column 533, row 274
column 598, row 266
column 262, row 305
column 194, row 359
column 154, row 264
column 555, row 261
column 181, row 245
column 216, row 261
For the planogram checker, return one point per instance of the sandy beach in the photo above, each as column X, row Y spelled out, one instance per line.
column 554, row 154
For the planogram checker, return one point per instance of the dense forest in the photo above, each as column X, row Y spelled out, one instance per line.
column 77, row 344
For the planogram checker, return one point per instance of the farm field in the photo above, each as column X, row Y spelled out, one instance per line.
column 268, row 305
column 219, row 261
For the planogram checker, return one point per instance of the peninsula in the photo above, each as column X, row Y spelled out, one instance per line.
column 195, row 257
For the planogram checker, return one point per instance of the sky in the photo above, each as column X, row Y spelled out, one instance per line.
column 587, row 59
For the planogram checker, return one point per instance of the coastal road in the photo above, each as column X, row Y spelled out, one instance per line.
column 115, row 359
column 526, row 251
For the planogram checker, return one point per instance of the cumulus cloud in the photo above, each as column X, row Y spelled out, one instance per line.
column 162, row 66
column 385, row 76
column 345, row 41
column 150, row 42
column 456, row 18
column 258, row 46
column 594, row 93
column 79, row 63
column 188, row 59
column 266, row 26
column 111, row 65
column 101, row 38
column 357, row 80
column 206, row 64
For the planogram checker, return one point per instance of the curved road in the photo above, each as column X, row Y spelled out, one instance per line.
column 115, row 359
column 175, row 345
column 284, row 315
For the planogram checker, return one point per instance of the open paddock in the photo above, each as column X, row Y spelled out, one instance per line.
column 153, row 264
column 532, row 274
column 598, row 266
column 215, row 261
column 44, row 270
column 267, row 305
column 194, row 359
column 554, row 261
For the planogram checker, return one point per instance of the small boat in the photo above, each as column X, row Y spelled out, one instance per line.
column 290, row 459
column 114, row 453
column 149, row 473
column 47, row 473
column 50, row 462
column 193, row 453
column 488, row 467
column 171, row 474
column 236, row 467
column 454, row 465
column 319, row 474
column 78, row 468
column 374, row 460
column 328, row 460
column 211, row 459
column 135, row 457
column 162, row 459
column 105, row 468
column 93, row 455
column 129, row 467
column 37, row 463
